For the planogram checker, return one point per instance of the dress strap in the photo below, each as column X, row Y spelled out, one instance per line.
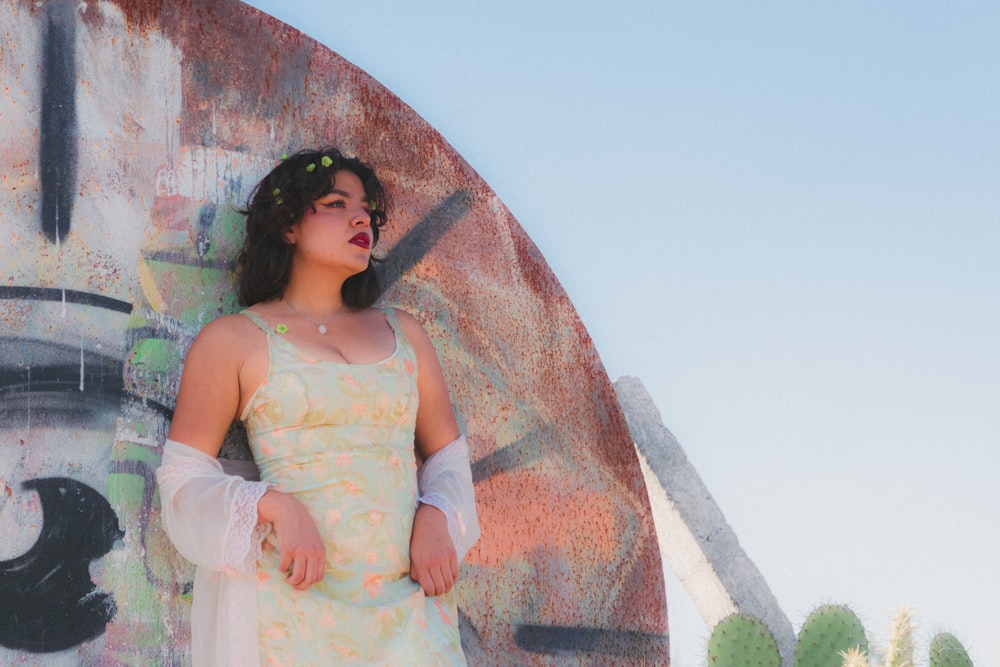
column 403, row 342
column 263, row 326
column 258, row 320
column 390, row 317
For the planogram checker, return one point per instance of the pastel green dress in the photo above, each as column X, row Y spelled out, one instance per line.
column 340, row 438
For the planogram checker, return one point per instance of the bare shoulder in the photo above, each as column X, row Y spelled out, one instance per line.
column 226, row 341
column 212, row 382
column 228, row 325
column 219, row 335
column 412, row 328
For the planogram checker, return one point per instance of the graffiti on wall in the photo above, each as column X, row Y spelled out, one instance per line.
column 132, row 131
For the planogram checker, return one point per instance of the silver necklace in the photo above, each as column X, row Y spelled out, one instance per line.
column 320, row 326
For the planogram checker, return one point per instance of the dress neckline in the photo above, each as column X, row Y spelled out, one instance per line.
column 257, row 319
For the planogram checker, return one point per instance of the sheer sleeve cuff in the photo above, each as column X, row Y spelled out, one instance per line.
column 210, row 516
column 445, row 482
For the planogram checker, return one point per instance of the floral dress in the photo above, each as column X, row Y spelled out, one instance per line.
column 339, row 437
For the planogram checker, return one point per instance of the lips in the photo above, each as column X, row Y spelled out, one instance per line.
column 361, row 240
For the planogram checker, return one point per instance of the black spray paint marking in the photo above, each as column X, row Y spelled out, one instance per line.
column 519, row 454
column 40, row 367
column 49, row 601
column 64, row 295
column 423, row 236
column 553, row 640
column 57, row 154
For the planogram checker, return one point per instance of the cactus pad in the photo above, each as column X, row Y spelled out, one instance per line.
column 829, row 631
column 947, row 651
column 742, row 640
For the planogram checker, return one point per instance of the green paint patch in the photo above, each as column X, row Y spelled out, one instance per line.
column 155, row 354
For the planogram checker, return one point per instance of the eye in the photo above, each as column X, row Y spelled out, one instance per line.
column 336, row 203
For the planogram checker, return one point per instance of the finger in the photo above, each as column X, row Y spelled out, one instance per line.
column 297, row 572
column 419, row 572
column 303, row 583
column 314, row 573
column 438, row 576
column 306, row 578
column 449, row 580
column 285, row 565
column 426, row 583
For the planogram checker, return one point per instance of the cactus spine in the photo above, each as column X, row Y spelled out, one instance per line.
column 855, row 657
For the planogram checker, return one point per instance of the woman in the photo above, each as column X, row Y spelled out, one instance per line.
column 332, row 557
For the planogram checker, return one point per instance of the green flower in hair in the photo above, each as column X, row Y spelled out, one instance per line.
column 284, row 156
column 311, row 167
column 372, row 205
column 326, row 161
column 276, row 192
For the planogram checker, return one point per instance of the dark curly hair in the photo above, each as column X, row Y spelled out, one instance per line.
column 278, row 202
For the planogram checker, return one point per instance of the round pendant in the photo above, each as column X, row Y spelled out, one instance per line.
column 322, row 328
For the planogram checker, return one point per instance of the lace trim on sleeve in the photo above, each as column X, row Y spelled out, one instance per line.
column 241, row 545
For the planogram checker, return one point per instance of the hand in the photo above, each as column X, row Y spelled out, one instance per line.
column 303, row 554
column 433, row 562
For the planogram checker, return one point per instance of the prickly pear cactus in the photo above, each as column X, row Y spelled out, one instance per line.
column 828, row 632
column 947, row 651
column 741, row 640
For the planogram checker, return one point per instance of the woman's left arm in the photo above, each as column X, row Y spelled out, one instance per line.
column 433, row 556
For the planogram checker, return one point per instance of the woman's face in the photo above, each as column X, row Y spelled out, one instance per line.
column 338, row 232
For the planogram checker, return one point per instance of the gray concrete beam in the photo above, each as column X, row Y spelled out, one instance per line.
column 695, row 539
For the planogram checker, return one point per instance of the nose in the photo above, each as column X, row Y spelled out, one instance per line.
column 363, row 218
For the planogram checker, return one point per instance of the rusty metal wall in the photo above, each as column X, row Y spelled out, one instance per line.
column 130, row 130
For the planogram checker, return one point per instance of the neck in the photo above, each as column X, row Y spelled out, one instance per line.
column 317, row 298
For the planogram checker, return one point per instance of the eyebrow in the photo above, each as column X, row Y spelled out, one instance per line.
column 364, row 200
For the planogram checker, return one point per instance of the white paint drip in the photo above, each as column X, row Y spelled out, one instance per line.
column 27, row 428
column 62, row 312
column 81, row 360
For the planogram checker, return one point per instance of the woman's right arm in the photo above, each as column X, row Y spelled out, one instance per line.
column 210, row 517
column 216, row 520
column 209, row 393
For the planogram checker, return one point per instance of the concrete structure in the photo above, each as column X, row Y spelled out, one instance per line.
column 695, row 539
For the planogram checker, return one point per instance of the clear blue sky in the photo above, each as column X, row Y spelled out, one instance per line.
column 784, row 218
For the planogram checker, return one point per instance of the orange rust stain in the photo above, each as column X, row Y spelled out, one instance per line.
column 575, row 518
